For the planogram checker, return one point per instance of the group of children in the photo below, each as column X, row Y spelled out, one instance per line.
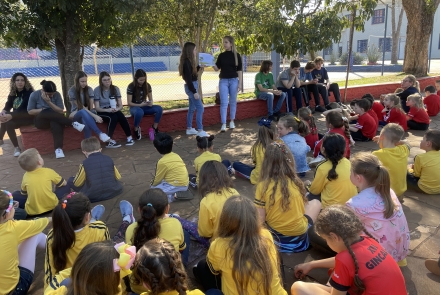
column 353, row 203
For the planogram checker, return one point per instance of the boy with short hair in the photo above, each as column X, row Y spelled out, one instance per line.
column 393, row 154
column 431, row 101
column 171, row 173
column 37, row 195
column 437, row 86
column 365, row 127
column 424, row 175
column 288, row 81
column 97, row 177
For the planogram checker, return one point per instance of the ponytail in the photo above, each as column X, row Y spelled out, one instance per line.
column 360, row 286
column 303, row 128
column 334, row 150
column 305, row 114
column 417, row 86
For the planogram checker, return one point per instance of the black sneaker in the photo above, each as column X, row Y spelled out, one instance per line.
column 138, row 134
column 328, row 107
column 112, row 144
column 320, row 109
column 156, row 130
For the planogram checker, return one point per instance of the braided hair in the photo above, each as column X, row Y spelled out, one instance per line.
column 334, row 150
column 337, row 121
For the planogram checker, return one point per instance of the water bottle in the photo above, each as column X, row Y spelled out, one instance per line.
column 112, row 102
column 151, row 133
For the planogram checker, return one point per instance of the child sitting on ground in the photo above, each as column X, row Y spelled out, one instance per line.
column 377, row 206
column 393, row 154
column 368, row 97
column 305, row 114
column 171, row 173
column 37, row 195
column 281, row 201
column 361, row 264
column 393, row 112
column 437, row 86
column 424, row 175
column 376, row 106
column 431, row 101
column 267, row 132
column 417, row 116
column 365, row 127
column 291, row 131
column 332, row 178
column 97, row 178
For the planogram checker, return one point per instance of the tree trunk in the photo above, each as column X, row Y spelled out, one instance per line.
column 312, row 55
column 420, row 20
column 395, row 32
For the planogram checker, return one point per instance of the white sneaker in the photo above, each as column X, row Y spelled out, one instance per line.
column 191, row 131
column 78, row 126
column 316, row 161
column 130, row 141
column 59, row 153
column 223, row 129
column 112, row 144
column 17, row 151
column 104, row 137
column 231, row 125
column 202, row 133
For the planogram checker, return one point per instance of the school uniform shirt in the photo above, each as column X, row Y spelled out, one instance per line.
column 396, row 116
column 432, row 104
column 104, row 96
column 266, row 80
column 258, row 158
column 341, row 131
column 377, row 107
column 93, row 232
column 427, row 167
column 418, row 115
column 395, row 160
column 36, row 101
column 312, row 138
column 291, row 222
column 54, row 284
column 299, row 149
column 374, row 116
column 336, row 191
column 13, row 233
column 377, row 270
column 367, row 125
column 210, row 209
column 72, row 97
column 220, row 261
column 393, row 232
column 202, row 159
column 141, row 95
column 172, row 169
column 37, row 185
column 226, row 63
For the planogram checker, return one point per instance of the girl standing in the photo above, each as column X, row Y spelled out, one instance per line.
column 231, row 75
column 378, row 207
column 190, row 71
column 393, row 113
column 81, row 97
column 305, row 114
column 292, row 130
column 108, row 104
column 281, row 200
column 140, row 100
column 410, row 86
column 417, row 116
column 361, row 264
column 20, row 90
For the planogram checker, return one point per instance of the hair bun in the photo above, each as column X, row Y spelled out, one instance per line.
column 43, row 82
column 199, row 138
column 211, row 137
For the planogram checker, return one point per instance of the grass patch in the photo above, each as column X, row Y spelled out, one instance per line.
column 377, row 80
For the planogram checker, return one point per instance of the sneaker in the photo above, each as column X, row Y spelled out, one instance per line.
column 311, row 110
column 223, row 129
column 202, row 133
column 320, row 109
column 151, row 133
column 59, row 153
column 231, row 125
column 112, row 144
column 126, row 211
column 156, row 130
column 319, row 159
column 104, row 137
column 341, row 104
column 78, row 126
column 130, row 141
column 17, row 151
column 191, row 131
column 97, row 212
column 174, row 215
column 138, row 133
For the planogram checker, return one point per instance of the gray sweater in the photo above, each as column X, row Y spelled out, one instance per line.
column 36, row 101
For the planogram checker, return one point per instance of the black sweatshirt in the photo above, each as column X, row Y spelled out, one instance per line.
column 188, row 75
column 21, row 101
column 226, row 64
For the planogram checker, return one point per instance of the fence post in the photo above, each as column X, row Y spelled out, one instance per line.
column 384, row 43
column 275, row 57
column 131, row 60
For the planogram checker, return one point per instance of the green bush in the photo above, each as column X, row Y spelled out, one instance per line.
column 373, row 54
column 358, row 58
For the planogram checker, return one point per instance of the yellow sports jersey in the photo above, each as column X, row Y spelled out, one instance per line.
column 172, row 169
column 54, row 285
column 336, row 191
column 427, row 167
column 258, row 158
column 37, row 185
column 219, row 260
column 193, row 292
column 204, row 157
column 289, row 223
column 210, row 209
column 93, row 232
column 395, row 160
column 12, row 233
column 80, row 176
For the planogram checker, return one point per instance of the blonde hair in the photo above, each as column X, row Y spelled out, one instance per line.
column 396, row 101
column 318, row 59
column 394, row 132
column 28, row 160
column 233, row 49
column 414, row 81
column 417, row 99
column 90, row 144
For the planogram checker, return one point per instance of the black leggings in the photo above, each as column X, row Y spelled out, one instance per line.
column 412, row 183
column 18, row 120
column 416, row 125
column 205, row 277
column 112, row 119
column 49, row 118
column 358, row 136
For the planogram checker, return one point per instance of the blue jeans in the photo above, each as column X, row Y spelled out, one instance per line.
column 228, row 87
column 139, row 112
column 82, row 116
column 269, row 97
column 289, row 94
column 194, row 105
column 243, row 169
column 185, row 252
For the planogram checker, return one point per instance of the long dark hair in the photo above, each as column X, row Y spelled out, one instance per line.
column 337, row 121
column 334, row 149
column 101, row 85
column 213, row 178
column 13, row 89
column 188, row 53
column 78, row 90
column 140, row 73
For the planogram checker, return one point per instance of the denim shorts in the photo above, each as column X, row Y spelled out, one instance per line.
column 24, row 282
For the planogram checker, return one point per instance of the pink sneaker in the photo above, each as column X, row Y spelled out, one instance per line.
column 151, row 133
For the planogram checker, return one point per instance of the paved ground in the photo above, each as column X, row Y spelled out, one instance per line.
column 137, row 163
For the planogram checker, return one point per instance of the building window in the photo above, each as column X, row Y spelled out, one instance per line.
column 327, row 51
column 379, row 16
column 349, row 17
column 362, row 46
column 388, row 44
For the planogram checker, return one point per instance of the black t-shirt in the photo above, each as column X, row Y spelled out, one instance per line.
column 226, row 64
column 18, row 102
column 141, row 95
column 188, row 75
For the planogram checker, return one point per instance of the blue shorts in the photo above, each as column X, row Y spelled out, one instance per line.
column 24, row 282
column 288, row 244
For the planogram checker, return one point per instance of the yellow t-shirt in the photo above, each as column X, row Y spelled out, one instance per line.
column 220, row 262
column 37, row 185
column 54, row 285
column 210, row 209
column 193, row 292
column 395, row 160
column 427, row 167
column 258, row 158
column 204, row 157
column 12, row 233
column 93, row 232
column 337, row 191
column 289, row 223
column 172, row 169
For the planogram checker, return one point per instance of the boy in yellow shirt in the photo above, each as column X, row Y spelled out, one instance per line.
column 394, row 154
column 424, row 175
column 37, row 195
